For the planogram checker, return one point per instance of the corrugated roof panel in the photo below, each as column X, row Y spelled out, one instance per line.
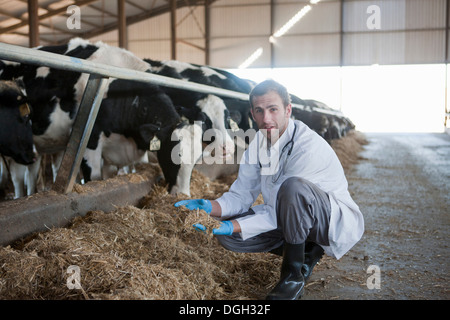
column 190, row 22
column 394, row 14
column 425, row 14
column 240, row 21
column 237, row 3
column 323, row 17
column 189, row 53
column 152, row 29
column 156, row 50
column 424, row 47
column 411, row 47
column 230, row 53
column 307, row 50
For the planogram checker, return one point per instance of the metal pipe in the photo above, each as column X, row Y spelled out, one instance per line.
column 52, row 60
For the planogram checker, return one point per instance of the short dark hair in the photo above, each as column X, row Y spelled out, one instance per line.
column 267, row 86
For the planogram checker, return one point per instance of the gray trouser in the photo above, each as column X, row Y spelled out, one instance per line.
column 303, row 213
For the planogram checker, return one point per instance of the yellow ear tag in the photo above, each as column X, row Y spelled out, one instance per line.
column 155, row 144
column 24, row 110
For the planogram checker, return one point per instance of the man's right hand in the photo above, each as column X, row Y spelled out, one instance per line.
column 201, row 204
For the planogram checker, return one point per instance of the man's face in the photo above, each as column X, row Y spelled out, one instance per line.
column 270, row 115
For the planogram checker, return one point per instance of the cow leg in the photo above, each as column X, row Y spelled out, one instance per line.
column 183, row 183
column 56, row 163
column 92, row 164
column 190, row 152
column 31, row 175
column 18, row 178
column 3, row 174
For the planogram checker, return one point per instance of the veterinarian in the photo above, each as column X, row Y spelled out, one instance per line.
column 307, row 208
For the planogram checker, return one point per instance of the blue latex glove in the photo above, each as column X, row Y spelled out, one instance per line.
column 196, row 204
column 199, row 227
column 225, row 229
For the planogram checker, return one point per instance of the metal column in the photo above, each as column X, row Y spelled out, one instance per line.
column 173, row 29
column 122, row 23
column 207, row 32
column 33, row 23
column 81, row 131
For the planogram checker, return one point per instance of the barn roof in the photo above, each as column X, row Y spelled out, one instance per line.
column 98, row 16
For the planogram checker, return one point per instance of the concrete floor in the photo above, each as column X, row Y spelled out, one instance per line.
column 402, row 186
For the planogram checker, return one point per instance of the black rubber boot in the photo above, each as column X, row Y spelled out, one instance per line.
column 313, row 254
column 292, row 282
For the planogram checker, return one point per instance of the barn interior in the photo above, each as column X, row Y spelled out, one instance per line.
column 383, row 64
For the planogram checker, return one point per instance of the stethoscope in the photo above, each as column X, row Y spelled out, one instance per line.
column 288, row 146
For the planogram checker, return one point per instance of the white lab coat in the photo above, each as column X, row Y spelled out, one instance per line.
column 312, row 159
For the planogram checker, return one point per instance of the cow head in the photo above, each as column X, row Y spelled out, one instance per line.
column 16, row 139
column 218, row 121
column 178, row 154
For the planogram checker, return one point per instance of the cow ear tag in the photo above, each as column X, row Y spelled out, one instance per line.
column 155, row 144
column 24, row 110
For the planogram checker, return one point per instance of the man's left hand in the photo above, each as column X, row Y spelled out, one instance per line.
column 226, row 228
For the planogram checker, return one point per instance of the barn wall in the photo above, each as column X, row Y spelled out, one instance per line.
column 332, row 33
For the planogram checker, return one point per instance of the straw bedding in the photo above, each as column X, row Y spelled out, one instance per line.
column 150, row 252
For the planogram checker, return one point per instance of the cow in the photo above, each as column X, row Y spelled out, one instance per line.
column 199, row 109
column 55, row 96
column 19, row 158
column 231, row 114
column 328, row 126
column 239, row 109
column 16, row 140
column 196, row 106
column 131, row 115
column 23, row 177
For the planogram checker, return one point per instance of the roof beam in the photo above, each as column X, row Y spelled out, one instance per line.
column 47, row 15
column 140, row 17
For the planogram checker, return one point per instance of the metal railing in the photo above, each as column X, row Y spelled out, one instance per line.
column 95, row 88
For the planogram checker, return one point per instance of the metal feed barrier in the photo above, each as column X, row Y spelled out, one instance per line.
column 92, row 97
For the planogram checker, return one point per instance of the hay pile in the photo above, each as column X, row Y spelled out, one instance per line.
column 201, row 217
column 136, row 253
column 348, row 148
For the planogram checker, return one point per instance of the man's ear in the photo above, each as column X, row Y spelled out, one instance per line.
column 289, row 110
column 251, row 111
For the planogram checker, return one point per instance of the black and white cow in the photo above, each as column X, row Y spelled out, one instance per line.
column 207, row 110
column 337, row 126
column 55, row 94
column 16, row 140
column 237, row 110
column 314, row 120
column 132, row 116
column 328, row 126
column 198, row 106
column 18, row 155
